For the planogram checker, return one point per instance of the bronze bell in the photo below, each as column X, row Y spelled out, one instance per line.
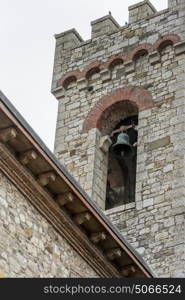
column 122, row 147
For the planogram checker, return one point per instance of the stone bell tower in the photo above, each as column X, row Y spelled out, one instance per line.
column 129, row 79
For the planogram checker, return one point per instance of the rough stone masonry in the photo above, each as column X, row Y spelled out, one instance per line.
column 29, row 245
column 135, row 69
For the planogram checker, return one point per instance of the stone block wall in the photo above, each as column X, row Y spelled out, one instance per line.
column 142, row 65
column 173, row 4
column 29, row 246
column 140, row 10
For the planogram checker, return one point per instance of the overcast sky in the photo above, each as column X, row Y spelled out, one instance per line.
column 27, row 50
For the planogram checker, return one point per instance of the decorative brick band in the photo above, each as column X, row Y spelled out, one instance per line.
column 97, row 66
column 137, row 95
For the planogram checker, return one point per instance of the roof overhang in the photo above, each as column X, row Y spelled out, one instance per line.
column 37, row 173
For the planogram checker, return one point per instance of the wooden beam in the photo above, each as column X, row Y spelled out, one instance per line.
column 7, row 134
column 45, row 178
column 128, row 270
column 113, row 253
column 82, row 218
column 61, row 222
column 98, row 237
column 27, row 157
column 65, row 198
column 22, row 178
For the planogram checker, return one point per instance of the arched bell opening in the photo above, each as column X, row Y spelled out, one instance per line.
column 106, row 116
column 122, row 161
column 114, row 115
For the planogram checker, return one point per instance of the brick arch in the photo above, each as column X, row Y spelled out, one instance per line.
column 137, row 95
column 114, row 114
column 91, row 68
column 166, row 40
column 91, row 72
column 68, row 78
column 140, row 50
column 113, row 61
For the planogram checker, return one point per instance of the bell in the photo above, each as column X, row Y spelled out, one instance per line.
column 122, row 147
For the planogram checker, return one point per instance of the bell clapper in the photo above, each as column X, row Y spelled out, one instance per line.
column 122, row 153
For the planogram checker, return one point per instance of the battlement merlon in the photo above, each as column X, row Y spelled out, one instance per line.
column 104, row 25
column 140, row 11
column 68, row 39
column 172, row 4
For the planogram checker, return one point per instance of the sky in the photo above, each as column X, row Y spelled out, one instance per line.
column 27, row 50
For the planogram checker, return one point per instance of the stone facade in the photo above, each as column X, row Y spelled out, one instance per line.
column 141, row 66
column 29, row 246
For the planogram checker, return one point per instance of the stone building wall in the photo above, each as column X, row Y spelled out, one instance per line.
column 29, row 246
column 143, row 63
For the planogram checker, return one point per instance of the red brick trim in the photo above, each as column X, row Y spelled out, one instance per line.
column 68, row 78
column 165, row 40
column 140, row 50
column 138, row 95
column 114, row 60
column 91, row 69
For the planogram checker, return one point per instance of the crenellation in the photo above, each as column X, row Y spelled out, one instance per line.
column 66, row 60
